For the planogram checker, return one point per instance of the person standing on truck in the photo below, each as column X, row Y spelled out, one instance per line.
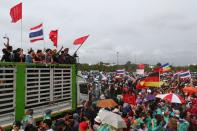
column 7, row 51
column 29, row 57
column 48, row 56
column 68, row 59
column 6, row 56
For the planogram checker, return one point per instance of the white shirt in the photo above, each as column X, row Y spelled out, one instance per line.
column 50, row 130
column 18, row 130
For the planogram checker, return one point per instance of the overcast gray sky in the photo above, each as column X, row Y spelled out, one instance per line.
column 149, row 30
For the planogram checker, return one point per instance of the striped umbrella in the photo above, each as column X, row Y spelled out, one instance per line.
column 171, row 97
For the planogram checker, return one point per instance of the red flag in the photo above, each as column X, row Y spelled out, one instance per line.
column 53, row 36
column 80, row 40
column 16, row 12
column 158, row 69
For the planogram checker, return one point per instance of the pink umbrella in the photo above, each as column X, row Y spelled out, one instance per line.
column 171, row 97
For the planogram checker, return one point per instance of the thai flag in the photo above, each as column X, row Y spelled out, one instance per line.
column 175, row 75
column 36, row 33
column 185, row 74
column 120, row 72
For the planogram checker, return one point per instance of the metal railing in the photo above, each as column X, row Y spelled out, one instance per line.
column 39, row 87
column 48, row 88
column 7, row 93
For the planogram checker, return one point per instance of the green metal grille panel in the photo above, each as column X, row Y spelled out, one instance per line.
column 7, row 94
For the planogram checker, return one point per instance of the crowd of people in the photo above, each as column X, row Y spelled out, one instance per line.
column 47, row 56
column 142, row 110
column 139, row 108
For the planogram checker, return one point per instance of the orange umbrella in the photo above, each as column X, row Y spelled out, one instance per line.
column 106, row 103
column 190, row 89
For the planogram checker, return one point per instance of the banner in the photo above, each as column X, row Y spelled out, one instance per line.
column 140, row 69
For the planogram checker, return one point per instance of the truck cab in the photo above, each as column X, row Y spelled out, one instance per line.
column 82, row 88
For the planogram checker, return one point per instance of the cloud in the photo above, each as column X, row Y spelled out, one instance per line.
column 171, row 21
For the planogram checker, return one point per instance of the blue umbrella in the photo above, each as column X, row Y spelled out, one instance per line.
column 150, row 97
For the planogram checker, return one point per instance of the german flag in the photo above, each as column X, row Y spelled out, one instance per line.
column 152, row 80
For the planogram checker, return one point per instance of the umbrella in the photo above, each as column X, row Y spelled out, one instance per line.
column 150, row 97
column 193, row 109
column 171, row 97
column 190, row 89
column 112, row 119
column 106, row 103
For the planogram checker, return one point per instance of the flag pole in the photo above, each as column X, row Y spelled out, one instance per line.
column 21, row 30
column 21, row 25
column 21, row 33
column 44, row 44
column 43, row 36
column 78, row 49
column 57, row 37
column 159, row 78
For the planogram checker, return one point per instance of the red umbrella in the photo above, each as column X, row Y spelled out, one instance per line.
column 171, row 97
column 193, row 109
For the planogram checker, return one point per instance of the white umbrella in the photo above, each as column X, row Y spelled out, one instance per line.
column 112, row 119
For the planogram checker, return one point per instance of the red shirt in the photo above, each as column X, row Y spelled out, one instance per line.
column 83, row 126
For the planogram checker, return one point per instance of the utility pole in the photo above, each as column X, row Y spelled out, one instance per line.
column 117, row 53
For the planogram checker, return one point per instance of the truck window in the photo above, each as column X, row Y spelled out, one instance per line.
column 83, row 88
